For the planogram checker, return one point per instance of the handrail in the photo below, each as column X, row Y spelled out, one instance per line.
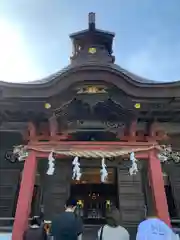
column 6, row 218
column 9, row 218
column 6, row 228
column 175, row 220
column 12, row 218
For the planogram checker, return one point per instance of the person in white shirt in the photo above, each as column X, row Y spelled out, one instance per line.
column 113, row 229
column 154, row 228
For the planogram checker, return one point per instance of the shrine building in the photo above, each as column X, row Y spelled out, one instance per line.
column 92, row 131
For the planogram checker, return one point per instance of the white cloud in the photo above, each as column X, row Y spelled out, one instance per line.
column 16, row 64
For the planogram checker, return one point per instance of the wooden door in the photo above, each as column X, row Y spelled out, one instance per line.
column 174, row 178
column 9, row 180
column 131, row 197
column 56, row 188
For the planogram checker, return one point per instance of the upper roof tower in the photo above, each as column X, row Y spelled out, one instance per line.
column 92, row 44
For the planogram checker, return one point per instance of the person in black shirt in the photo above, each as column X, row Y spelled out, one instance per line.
column 67, row 226
column 36, row 231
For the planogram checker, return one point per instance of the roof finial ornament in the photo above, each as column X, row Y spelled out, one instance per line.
column 92, row 21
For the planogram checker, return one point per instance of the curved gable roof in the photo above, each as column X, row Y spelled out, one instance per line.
column 130, row 83
column 133, row 77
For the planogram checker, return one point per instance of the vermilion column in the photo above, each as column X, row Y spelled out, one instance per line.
column 25, row 197
column 157, row 185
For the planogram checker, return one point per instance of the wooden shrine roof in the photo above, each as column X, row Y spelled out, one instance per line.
column 130, row 83
column 91, row 68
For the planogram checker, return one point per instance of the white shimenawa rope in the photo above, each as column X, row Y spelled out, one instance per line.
column 51, row 164
column 103, row 171
column 134, row 168
column 76, row 174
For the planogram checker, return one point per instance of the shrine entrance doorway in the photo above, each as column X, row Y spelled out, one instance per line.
column 95, row 198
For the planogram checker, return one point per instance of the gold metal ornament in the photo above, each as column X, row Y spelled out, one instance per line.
column 137, row 105
column 92, row 50
column 47, row 105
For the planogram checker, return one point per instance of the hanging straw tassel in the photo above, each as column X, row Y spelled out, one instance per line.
column 76, row 175
column 103, row 171
column 51, row 164
column 134, row 168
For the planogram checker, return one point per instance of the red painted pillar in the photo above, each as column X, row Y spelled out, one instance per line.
column 25, row 197
column 157, row 185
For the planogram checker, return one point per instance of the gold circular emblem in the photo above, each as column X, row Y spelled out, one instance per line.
column 47, row 105
column 92, row 50
column 137, row 105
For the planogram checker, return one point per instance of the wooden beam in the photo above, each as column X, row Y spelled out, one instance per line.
column 155, row 134
column 53, row 127
column 32, row 131
column 157, row 186
column 25, row 197
column 152, row 130
column 132, row 130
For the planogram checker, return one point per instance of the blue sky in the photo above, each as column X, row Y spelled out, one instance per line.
column 34, row 38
